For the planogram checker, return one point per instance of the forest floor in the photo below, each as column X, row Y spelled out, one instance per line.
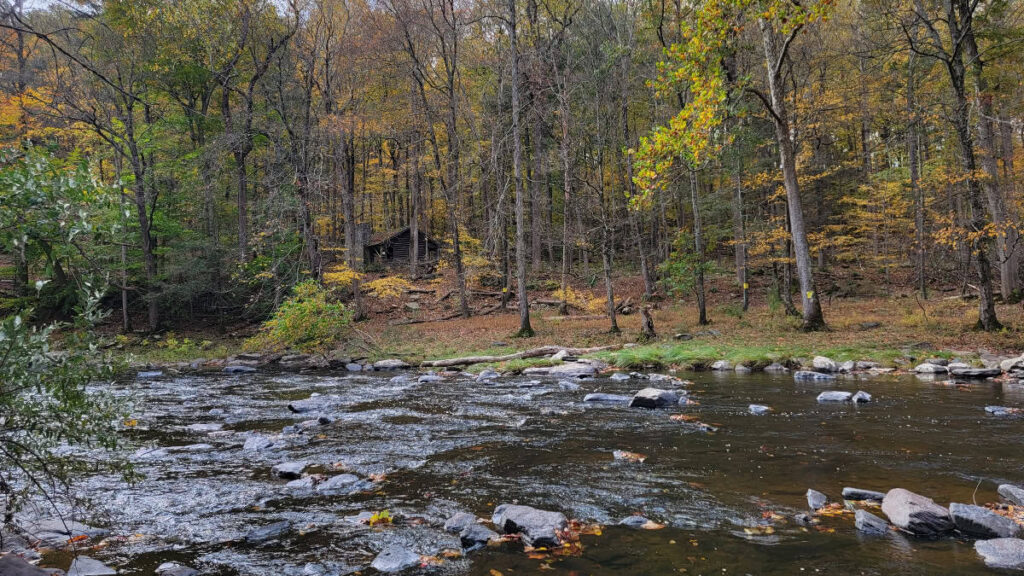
column 893, row 327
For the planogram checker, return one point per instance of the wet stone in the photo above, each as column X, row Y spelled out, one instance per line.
column 390, row 364
column 816, row 500
column 620, row 377
column 288, row 470
column 979, row 522
column 54, row 532
column 861, row 397
column 267, row 533
column 602, row 397
column 929, row 368
column 721, row 365
column 775, row 367
column 1006, row 553
column 476, row 535
column 825, row 364
column 395, row 559
column 257, row 443
column 635, row 521
column 1012, row 494
column 975, row 373
column 916, row 514
column 459, row 522
column 568, row 386
column 85, row 566
column 537, row 527
column 858, row 494
column 834, row 396
column 487, row 374
column 12, row 565
column 175, row 569
column 340, row 483
column 870, row 524
column 353, row 367
column 758, row 409
column 807, row 375
column 653, row 398
column 145, row 375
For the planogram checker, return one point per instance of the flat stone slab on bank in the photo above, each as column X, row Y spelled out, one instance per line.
column 916, row 514
column 537, row 527
column 1006, row 553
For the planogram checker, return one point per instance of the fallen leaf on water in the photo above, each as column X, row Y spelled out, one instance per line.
column 78, row 538
column 684, row 417
column 651, row 525
column 760, row 530
column 494, row 572
column 131, row 423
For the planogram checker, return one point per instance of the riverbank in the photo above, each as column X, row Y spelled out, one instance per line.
column 892, row 332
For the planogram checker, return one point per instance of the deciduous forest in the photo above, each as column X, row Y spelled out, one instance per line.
column 417, row 257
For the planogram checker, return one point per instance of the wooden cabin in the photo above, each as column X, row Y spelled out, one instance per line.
column 393, row 248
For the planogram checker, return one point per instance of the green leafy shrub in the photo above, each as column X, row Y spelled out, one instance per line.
column 307, row 322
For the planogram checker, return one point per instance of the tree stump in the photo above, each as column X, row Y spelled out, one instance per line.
column 646, row 325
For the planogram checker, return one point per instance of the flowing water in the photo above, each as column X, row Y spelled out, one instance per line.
column 459, row 445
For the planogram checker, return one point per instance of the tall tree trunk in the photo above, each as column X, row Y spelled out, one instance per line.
column 414, row 203
column 740, row 235
column 914, row 164
column 812, row 316
column 698, row 252
column 345, row 164
column 536, row 184
column 525, row 330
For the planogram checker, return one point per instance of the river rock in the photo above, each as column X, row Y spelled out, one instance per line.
column 353, row 367
column 239, row 369
column 620, row 377
column 1011, row 364
column 979, row 522
column 807, row 375
column 288, row 470
column 390, row 364
column 868, row 523
column 566, row 370
column 1001, row 410
column 929, row 368
column 858, row 494
column 824, row 363
column 459, row 522
column 1012, row 494
column 568, row 386
column 339, row 483
column 268, row 532
column 304, row 483
column 847, row 367
column 635, row 521
column 11, row 565
column 395, row 559
column 311, row 404
column 743, row 369
column 429, row 378
column 145, row 375
column 85, row 566
column 476, row 535
column 861, row 397
column 175, row 569
column 775, row 367
column 721, row 365
column 758, row 409
column 55, row 533
column 975, row 373
column 816, row 500
column 916, row 514
column 204, row 427
column 1006, row 553
column 538, row 527
column 653, row 398
column 258, row 443
column 487, row 374
column 834, row 396
column 602, row 397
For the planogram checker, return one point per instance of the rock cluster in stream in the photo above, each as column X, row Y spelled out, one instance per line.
column 997, row 537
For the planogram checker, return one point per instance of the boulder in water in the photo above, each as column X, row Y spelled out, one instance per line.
column 807, row 375
column 239, row 369
column 979, row 522
column 775, row 367
column 834, row 396
column 868, row 523
column 721, row 365
column 916, row 514
column 340, row 483
column 11, row 565
column 824, row 364
column 975, row 373
column 816, row 500
column 85, row 566
column 459, row 522
column 537, row 527
column 1006, row 553
column 619, row 377
column 1013, row 494
column 476, row 535
column 929, row 368
column 758, row 409
column 602, row 397
column 653, row 398
column 858, row 494
column 861, row 397
column 395, row 559
column 175, row 569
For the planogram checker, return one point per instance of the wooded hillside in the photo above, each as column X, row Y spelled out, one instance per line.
column 234, row 148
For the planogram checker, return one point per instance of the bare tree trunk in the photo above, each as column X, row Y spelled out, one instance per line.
column 698, row 251
column 414, row 203
column 525, row 330
column 812, row 316
column 913, row 161
column 606, row 263
column 536, row 185
column 740, row 236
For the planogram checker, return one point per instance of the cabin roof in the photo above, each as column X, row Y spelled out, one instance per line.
column 388, row 235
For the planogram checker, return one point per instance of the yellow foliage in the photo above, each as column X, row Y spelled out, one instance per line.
column 340, row 276
column 387, row 287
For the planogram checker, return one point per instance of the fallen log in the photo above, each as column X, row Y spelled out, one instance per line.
column 580, row 317
column 532, row 353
